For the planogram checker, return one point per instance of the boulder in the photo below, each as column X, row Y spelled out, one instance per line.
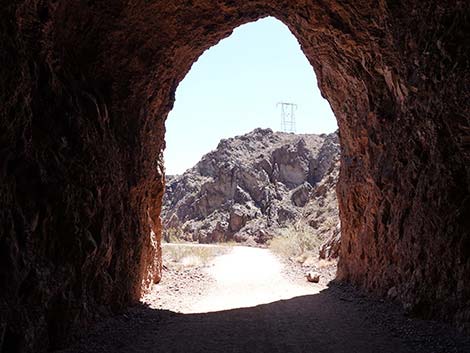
column 313, row 277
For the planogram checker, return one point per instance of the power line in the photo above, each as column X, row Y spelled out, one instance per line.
column 287, row 116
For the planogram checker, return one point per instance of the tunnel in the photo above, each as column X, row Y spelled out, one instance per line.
column 86, row 87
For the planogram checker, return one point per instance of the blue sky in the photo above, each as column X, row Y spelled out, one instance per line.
column 233, row 88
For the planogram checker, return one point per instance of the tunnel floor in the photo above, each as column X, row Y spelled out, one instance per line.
column 329, row 318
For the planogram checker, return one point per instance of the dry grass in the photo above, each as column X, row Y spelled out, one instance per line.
column 172, row 235
column 296, row 242
column 190, row 255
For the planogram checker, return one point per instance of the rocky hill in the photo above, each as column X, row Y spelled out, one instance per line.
column 255, row 186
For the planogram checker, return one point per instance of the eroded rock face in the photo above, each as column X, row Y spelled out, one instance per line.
column 252, row 186
column 85, row 89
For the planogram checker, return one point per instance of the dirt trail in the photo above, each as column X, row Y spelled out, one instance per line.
column 250, row 305
column 247, row 277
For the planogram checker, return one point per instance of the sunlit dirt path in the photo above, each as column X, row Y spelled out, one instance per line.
column 251, row 306
column 248, row 277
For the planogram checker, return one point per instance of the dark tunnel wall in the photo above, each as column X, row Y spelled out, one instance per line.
column 85, row 89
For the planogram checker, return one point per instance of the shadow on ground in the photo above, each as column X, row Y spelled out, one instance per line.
column 338, row 319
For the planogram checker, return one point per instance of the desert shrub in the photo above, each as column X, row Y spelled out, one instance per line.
column 190, row 255
column 172, row 234
column 330, row 223
column 296, row 241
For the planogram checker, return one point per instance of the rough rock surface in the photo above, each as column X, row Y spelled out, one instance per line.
column 85, row 89
column 253, row 185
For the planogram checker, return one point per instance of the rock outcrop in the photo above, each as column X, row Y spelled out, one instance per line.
column 85, row 88
column 253, row 185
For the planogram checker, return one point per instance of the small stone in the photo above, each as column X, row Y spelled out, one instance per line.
column 313, row 277
column 392, row 293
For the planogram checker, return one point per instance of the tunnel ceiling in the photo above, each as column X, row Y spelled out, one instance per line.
column 86, row 87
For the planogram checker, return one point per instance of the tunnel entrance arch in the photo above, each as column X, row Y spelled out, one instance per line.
column 245, row 165
column 371, row 97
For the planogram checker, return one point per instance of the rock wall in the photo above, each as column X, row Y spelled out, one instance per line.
column 85, row 89
column 254, row 185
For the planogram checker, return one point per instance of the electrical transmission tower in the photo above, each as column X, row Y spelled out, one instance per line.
column 287, row 116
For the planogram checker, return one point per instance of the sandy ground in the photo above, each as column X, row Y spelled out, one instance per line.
column 243, row 301
column 243, row 277
column 248, row 277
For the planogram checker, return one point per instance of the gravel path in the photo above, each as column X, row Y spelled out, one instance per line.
column 251, row 306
